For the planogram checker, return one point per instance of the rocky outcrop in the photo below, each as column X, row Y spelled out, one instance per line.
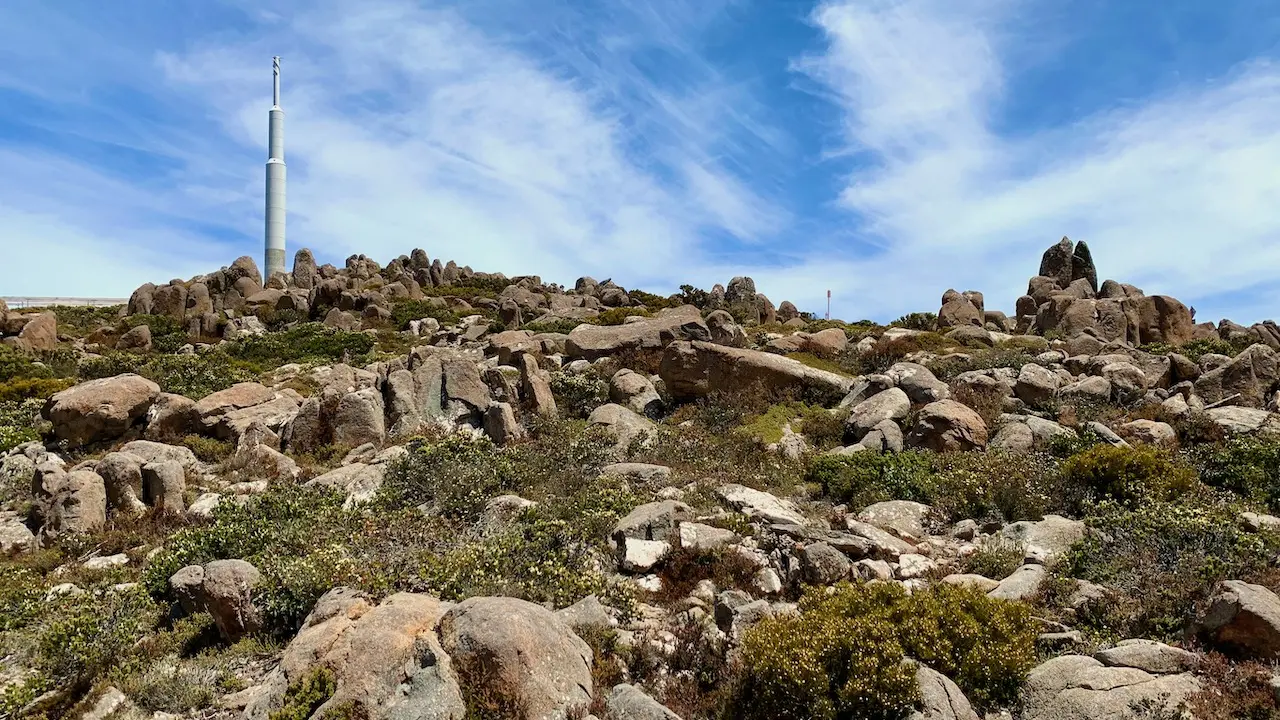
column 69, row 502
column 1244, row 617
column 628, row 702
column 696, row 369
column 224, row 589
column 1075, row 687
column 521, row 653
column 649, row 334
column 386, row 659
column 100, row 410
column 946, row 426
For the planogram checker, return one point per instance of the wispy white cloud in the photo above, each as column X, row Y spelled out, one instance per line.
column 1174, row 193
column 415, row 124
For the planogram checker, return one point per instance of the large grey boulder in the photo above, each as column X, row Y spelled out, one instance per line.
column 70, row 502
column 625, row 425
column 358, row 481
column 1074, row 687
column 149, row 451
column 904, row 518
column 696, row 369
column 940, row 699
column 1244, row 617
column 171, row 417
column 100, row 410
column 823, row 564
column 628, row 702
column 1046, row 539
column 918, row 382
column 521, row 653
column 213, row 408
column 757, row 504
column 359, row 419
column 501, row 426
column 1036, row 385
column 386, row 659
column 635, row 392
column 122, row 476
column 464, row 393
column 652, row 521
column 224, row 589
column 946, row 426
column 1251, row 374
column 892, row 405
column 1023, row 584
column 15, row 536
column 164, row 483
column 1148, row 655
column 650, row 334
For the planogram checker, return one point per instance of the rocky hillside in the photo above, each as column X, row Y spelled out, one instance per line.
column 420, row 491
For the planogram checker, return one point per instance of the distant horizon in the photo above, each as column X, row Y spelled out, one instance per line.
column 887, row 150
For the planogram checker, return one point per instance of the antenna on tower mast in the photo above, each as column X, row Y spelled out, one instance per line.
column 275, row 215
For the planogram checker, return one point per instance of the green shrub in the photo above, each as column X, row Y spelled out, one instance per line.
column 81, row 320
column 90, row 635
column 1246, row 466
column 697, row 297
column 456, row 476
column 20, row 423
column 110, row 364
column 473, row 286
column 655, row 302
column 946, row 368
column 208, row 450
column 842, row 656
column 560, row 326
column 819, row 363
column 167, row 333
column 539, row 558
column 992, row 485
column 820, row 426
column 616, row 316
column 403, row 312
column 191, row 375
column 16, row 364
column 544, row 555
column 996, row 559
column 983, row 486
column 1128, row 475
column 38, row 388
column 885, row 352
column 917, row 321
column 867, row 477
column 285, row 521
column 306, row 695
column 1196, row 349
column 21, row 597
column 1163, row 559
column 578, row 394
column 291, row 585
column 311, row 342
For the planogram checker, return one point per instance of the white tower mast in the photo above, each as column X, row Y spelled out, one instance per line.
column 275, row 180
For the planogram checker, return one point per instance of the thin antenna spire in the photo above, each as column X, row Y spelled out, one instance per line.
column 275, row 215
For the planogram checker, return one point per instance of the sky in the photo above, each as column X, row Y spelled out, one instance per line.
column 885, row 150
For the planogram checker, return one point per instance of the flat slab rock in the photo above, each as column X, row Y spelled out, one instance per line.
column 757, row 504
column 1075, row 687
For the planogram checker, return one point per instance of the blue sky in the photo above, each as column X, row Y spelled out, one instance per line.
column 884, row 149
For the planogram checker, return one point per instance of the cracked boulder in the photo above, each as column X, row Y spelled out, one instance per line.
column 521, row 653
